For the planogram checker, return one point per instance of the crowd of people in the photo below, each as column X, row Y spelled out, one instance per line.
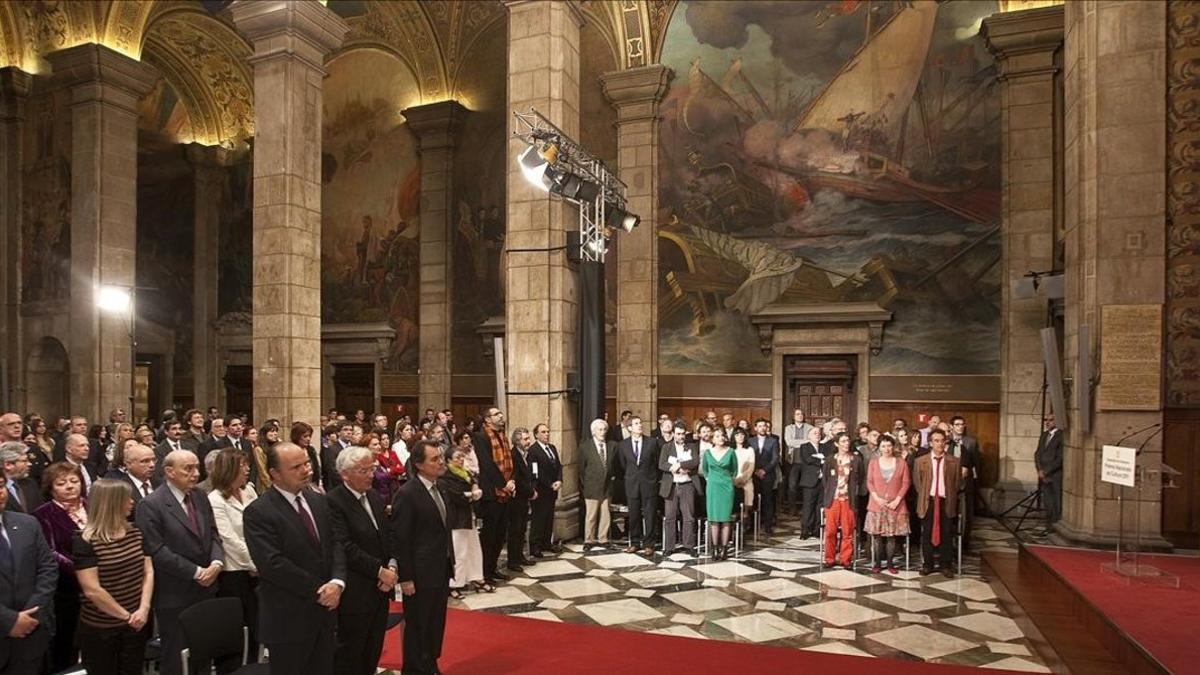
column 113, row 530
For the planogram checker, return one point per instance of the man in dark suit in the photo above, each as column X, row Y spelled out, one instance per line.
column 76, row 451
column 135, row 465
column 495, row 480
column 766, row 462
column 637, row 462
column 301, row 566
column 77, row 425
column 809, row 460
column 216, row 437
column 596, row 459
column 176, row 521
column 1049, row 462
column 518, row 507
column 235, row 438
column 193, row 433
column 679, row 461
column 173, row 432
column 28, row 578
column 361, row 527
column 329, row 454
column 23, row 493
column 937, row 481
column 665, row 430
column 966, row 449
column 424, row 555
column 547, row 472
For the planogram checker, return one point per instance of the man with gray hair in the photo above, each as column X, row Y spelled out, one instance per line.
column 76, row 449
column 135, row 465
column 10, row 427
column 23, row 493
column 596, row 456
column 518, row 508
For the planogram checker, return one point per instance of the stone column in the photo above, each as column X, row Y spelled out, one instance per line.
column 541, row 306
column 105, row 89
column 636, row 94
column 1024, row 44
column 436, row 127
column 208, row 162
column 14, row 87
column 291, row 39
column 1115, row 182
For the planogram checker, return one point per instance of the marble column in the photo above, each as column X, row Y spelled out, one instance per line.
column 291, row 39
column 14, row 88
column 1114, row 204
column 208, row 169
column 436, row 127
column 105, row 89
column 541, row 306
column 1025, row 44
column 636, row 94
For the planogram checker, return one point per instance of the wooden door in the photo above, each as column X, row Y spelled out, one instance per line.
column 354, row 387
column 239, row 390
column 1181, row 504
column 823, row 387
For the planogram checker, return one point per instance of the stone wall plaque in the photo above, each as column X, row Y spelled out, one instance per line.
column 1130, row 358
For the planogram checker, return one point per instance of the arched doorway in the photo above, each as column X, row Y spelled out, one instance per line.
column 47, row 379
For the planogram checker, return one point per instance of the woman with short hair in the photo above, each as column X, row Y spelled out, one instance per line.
column 887, row 514
column 462, row 491
column 62, row 516
column 231, row 494
column 116, row 576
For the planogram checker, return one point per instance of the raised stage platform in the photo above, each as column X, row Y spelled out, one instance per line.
column 1096, row 622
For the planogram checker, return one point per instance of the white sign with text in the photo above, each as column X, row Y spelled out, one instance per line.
column 1118, row 465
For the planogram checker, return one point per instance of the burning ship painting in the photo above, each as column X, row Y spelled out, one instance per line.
column 830, row 152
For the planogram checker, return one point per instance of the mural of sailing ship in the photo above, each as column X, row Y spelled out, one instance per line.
column 773, row 195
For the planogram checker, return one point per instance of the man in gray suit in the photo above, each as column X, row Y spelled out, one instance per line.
column 679, row 461
column 28, row 576
column 176, row 521
column 596, row 458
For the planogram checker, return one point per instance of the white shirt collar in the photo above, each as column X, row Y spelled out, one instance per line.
column 426, row 482
column 175, row 492
column 289, row 496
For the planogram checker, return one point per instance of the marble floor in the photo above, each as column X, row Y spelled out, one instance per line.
column 775, row 592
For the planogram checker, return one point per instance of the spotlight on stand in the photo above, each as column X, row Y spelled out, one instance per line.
column 535, row 163
column 572, row 187
column 618, row 218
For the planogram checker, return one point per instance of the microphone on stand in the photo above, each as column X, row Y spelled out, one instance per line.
column 1135, row 433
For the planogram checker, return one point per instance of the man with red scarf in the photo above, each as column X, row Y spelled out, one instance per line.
column 496, row 480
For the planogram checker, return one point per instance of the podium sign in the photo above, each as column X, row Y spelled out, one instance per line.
column 1118, row 465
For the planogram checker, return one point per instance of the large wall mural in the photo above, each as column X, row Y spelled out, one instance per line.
column 825, row 152
column 371, row 187
column 46, row 201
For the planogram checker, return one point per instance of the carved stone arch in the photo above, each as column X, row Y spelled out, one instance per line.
column 12, row 40
column 658, row 15
column 458, row 27
column 605, row 18
column 404, row 29
column 205, row 62
column 125, row 26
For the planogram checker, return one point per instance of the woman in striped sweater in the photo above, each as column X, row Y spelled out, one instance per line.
column 117, row 580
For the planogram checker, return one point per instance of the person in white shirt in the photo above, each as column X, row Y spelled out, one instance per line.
column 231, row 494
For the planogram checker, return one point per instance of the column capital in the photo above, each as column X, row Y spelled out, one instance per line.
column 97, row 73
column 14, row 88
column 1024, row 42
column 436, row 125
column 201, row 155
column 574, row 8
column 302, row 29
column 636, row 92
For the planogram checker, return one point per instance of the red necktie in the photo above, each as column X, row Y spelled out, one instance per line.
column 936, row 538
column 308, row 523
column 191, row 513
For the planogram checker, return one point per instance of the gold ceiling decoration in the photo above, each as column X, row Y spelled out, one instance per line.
column 457, row 26
column 1018, row 5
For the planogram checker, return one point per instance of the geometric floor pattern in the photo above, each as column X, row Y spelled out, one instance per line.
column 776, row 593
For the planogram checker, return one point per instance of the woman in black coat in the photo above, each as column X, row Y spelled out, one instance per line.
column 460, row 490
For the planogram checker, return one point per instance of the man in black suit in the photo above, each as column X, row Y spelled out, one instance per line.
column 77, row 425
column 620, row 431
column 76, row 451
column 360, row 526
column 23, row 493
column 1049, row 462
column 135, row 465
column 809, row 460
column 216, row 438
column 301, row 566
column 235, row 438
column 173, row 432
column 966, row 448
column 425, row 558
column 637, row 462
column 193, row 434
column 498, row 488
column 518, row 506
column 547, row 472
column 176, row 521
column 28, row 577
column 679, row 461
column 766, row 462
column 329, row 455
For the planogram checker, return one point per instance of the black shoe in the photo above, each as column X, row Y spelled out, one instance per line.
column 948, row 572
column 525, row 562
column 926, row 571
column 536, row 554
column 514, row 568
column 690, row 551
column 498, row 575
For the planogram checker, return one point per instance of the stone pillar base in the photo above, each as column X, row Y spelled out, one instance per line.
column 566, row 518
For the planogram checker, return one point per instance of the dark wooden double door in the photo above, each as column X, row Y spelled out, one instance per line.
column 821, row 386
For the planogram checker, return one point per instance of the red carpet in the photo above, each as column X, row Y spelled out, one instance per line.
column 1162, row 620
column 480, row 642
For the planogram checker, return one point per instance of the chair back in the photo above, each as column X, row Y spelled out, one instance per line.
column 212, row 631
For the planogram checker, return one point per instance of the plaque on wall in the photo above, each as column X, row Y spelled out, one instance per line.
column 939, row 388
column 1130, row 357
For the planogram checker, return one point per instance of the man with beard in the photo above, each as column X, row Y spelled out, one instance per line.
column 496, row 481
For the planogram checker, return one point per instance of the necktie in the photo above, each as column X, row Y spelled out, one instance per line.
column 367, row 505
column 6, row 557
column 16, row 494
column 307, row 521
column 437, row 499
column 146, row 488
column 936, row 537
column 191, row 514
column 603, row 459
column 637, row 452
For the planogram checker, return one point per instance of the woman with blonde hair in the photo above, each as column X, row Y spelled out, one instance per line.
column 117, row 580
column 122, row 433
column 231, row 494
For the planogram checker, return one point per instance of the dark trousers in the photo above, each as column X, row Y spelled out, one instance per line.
column 242, row 586
column 303, row 658
column 360, row 638
column 810, row 498
column 518, row 520
column 63, row 651
column 1052, row 499
column 542, row 523
column 968, row 506
column 112, row 651
column 764, row 489
column 424, row 627
column 494, row 526
column 944, row 552
column 794, row 494
column 643, row 512
column 860, row 511
column 787, row 489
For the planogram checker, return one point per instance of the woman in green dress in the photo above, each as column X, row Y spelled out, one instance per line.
column 719, row 465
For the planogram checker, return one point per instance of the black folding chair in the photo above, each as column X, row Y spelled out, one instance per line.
column 213, row 633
